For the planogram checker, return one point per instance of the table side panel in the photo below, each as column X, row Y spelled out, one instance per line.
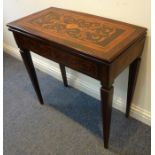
column 126, row 58
column 73, row 61
column 108, row 74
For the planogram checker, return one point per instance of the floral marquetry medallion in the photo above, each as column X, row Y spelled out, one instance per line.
column 78, row 28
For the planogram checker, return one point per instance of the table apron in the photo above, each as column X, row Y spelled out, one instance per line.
column 77, row 62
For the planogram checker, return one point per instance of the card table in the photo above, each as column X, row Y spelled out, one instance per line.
column 98, row 47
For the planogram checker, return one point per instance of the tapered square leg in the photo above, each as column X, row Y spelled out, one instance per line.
column 63, row 73
column 31, row 71
column 106, row 104
column 133, row 73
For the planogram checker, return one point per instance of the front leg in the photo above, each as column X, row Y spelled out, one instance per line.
column 106, row 105
column 31, row 71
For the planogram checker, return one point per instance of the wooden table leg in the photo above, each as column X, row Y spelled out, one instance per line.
column 133, row 72
column 63, row 73
column 31, row 71
column 106, row 102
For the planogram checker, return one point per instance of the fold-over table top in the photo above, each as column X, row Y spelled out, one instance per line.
column 99, row 37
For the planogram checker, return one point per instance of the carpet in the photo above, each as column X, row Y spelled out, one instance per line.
column 68, row 124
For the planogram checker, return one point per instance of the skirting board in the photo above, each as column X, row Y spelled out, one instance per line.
column 82, row 85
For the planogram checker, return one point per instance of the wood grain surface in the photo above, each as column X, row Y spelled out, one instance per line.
column 99, row 37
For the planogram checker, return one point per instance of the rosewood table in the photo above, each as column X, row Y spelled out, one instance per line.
column 98, row 47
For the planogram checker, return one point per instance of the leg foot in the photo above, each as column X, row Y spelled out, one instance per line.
column 106, row 102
